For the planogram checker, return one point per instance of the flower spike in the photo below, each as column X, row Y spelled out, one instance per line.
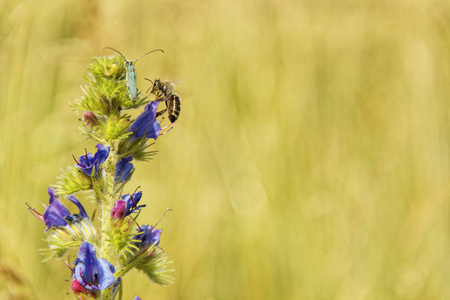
column 120, row 139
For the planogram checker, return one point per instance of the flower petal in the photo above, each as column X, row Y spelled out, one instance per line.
column 56, row 212
column 123, row 169
column 87, row 264
column 149, row 236
column 132, row 201
column 146, row 125
column 118, row 211
column 83, row 213
column 93, row 274
column 101, row 155
column 105, row 273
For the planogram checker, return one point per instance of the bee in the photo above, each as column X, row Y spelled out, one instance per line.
column 164, row 91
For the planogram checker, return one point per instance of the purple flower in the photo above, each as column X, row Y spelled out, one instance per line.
column 87, row 162
column 131, row 203
column 57, row 215
column 148, row 236
column 90, row 272
column 146, row 124
column 137, row 298
column 123, row 169
column 127, row 205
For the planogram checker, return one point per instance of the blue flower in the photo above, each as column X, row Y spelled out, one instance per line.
column 131, row 203
column 127, row 205
column 123, row 169
column 90, row 272
column 87, row 162
column 146, row 124
column 148, row 236
column 57, row 215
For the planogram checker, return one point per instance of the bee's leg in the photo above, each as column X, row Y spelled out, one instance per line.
column 161, row 98
column 161, row 112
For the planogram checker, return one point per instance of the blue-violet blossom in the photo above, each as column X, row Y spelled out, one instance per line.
column 148, row 236
column 127, row 205
column 57, row 215
column 146, row 125
column 123, row 169
column 90, row 272
column 87, row 162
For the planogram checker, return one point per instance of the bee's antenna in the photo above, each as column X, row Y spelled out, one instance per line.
column 151, row 87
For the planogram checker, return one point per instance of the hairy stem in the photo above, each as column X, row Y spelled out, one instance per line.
column 107, row 205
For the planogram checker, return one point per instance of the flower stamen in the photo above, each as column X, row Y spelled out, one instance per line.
column 34, row 212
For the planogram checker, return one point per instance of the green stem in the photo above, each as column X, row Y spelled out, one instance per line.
column 107, row 205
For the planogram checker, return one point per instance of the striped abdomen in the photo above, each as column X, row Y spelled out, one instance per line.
column 173, row 104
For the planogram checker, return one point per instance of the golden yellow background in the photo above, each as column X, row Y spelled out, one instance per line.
column 310, row 160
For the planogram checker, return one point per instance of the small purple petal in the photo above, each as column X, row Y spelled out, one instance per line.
column 56, row 213
column 146, row 125
column 102, row 154
column 83, row 213
column 131, row 203
column 87, row 162
column 123, row 169
column 105, row 273
column 149, row 236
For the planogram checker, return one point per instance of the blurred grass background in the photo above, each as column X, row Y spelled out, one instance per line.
column 310, row 160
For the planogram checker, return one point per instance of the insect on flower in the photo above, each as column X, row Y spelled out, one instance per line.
column 114, row 240
column 131, row 72
column 146, row 125
column 164, row 91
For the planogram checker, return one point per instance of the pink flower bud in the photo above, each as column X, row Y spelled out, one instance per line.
column 118, row 211
column 77, row 287
column 90, row 119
